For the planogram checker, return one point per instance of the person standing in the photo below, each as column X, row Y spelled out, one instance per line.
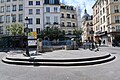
column 99, row 41
column 39, row 45
column 104, row 42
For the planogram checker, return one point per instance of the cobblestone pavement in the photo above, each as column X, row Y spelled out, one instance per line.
column 106, row 71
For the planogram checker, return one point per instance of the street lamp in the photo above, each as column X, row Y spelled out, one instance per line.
column 27, row 30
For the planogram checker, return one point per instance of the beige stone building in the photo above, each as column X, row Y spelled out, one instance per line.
column 113, row 19
column 106, row 20
column 87, row 27
column 100, row 21
column 68, row 19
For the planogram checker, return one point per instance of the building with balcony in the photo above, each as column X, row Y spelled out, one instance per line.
column 41, row 14
column 34, row 11
column 87, row 27
column 100, row 21
column 113, row 19
column 106, row 20
column 10, row 11
column 68, row 19
column 15, row 11
column 51, row 13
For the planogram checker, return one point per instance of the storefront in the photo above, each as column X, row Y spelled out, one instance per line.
column 103, row 36
column 114, row 36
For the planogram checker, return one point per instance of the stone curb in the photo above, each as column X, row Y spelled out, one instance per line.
column 77, row 63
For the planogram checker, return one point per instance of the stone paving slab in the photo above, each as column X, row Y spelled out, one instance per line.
column 64, row 54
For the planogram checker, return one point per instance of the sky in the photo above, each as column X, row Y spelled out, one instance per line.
column 82, row 3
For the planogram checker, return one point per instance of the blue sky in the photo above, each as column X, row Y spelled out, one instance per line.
column 82, row 3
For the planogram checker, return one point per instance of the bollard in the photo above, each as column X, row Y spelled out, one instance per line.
column 65, row 47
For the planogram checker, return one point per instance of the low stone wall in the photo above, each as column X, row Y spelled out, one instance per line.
column 47, row 49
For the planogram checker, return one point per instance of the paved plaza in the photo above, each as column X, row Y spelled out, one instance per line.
column 105, row 71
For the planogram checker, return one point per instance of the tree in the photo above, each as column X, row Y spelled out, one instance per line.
column 53, row 33
column 77, row 32
column 15, row 29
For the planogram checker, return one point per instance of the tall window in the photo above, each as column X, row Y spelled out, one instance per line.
column 117, row 19
column 20, row 7
column 51, row 1
column 37, row 11
column 2, row 1
column 73, row 16
column 106, row 1
column 37, row 20
column 20, row 17
column 68, row 24
column 14, row 18
column 62, row 24
column 118, row 28
column 1, row 19
column 47, row 9
column 116, row 8
column 38, row 30
column 62, row 15
column 55, row 9
column 8, row 19
column 103, row 18
column 68, row 15
column 103, row 10
column 14, row 8
column 8, row 9
column 108, row 21
column 1, row 29
column 100, row 12
column 30, row 21
column 37, row 2
column 101, row 28
column 30, row 2
column 2, row 9
column 73, row 24
column 56, row 19
column 104, row 28
column 30, row 11
column 47, row 20
column 107, row 11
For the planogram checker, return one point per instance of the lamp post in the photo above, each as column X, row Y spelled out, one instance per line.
column 27, row 29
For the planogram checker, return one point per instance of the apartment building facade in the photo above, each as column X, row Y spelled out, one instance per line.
column 41, row 14
column 34, row 11
column 100, row 21
column 106, row 18
column 52, row 13
column 68, row 21
column 87, row 27
column 113, row 19
column 10, row 11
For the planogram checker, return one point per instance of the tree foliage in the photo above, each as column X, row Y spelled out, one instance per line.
column 15, row 29
column 52, row 33
column 77, row 32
